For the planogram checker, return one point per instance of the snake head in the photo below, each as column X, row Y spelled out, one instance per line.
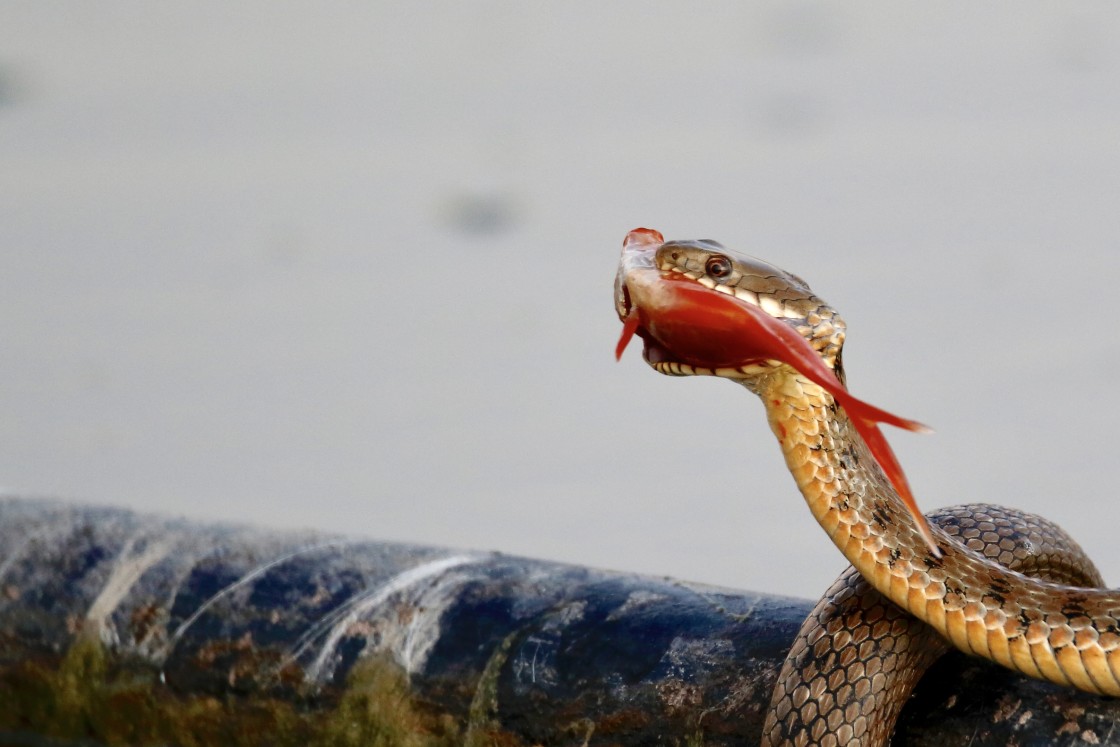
column 665, row 291
column 702, row 309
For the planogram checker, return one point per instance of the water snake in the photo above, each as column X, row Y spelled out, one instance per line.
column 992, row 582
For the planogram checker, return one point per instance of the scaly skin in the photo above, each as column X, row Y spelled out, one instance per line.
column 858, row 656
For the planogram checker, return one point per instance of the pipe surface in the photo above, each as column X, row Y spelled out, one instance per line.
column 123, row 628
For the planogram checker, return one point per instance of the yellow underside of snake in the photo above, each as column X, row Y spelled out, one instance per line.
column 992, row 582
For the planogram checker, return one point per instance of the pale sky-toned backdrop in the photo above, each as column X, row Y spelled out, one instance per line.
column 348, row 265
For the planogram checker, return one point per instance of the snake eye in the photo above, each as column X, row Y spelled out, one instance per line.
column 718, row 266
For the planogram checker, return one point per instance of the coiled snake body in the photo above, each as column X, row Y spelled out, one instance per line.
column 855, row 659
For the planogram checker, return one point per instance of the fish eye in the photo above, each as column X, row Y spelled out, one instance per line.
column 718, row 266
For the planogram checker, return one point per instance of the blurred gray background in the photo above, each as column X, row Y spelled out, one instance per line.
column 348, row 265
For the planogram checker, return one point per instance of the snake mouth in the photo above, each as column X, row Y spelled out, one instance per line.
column 663, row 360
column 660, row 357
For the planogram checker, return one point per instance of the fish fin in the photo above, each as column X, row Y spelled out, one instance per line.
column 859, row 409
column 629, row 327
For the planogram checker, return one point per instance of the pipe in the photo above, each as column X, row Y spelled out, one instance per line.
column 123, row 628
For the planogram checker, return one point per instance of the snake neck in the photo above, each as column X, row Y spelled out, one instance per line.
column 847, row 492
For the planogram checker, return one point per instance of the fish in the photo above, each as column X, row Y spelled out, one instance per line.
column 682, row 320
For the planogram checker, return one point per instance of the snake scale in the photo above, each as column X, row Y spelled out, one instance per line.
column 992, row 582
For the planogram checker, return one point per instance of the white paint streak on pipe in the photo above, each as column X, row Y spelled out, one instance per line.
column 376, row 597
column 127, row 571
column 247, row 578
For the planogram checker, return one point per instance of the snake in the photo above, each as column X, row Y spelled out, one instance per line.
column 991, row 582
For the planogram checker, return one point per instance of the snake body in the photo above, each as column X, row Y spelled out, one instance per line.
column 858, row 656
column 1062, row 629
